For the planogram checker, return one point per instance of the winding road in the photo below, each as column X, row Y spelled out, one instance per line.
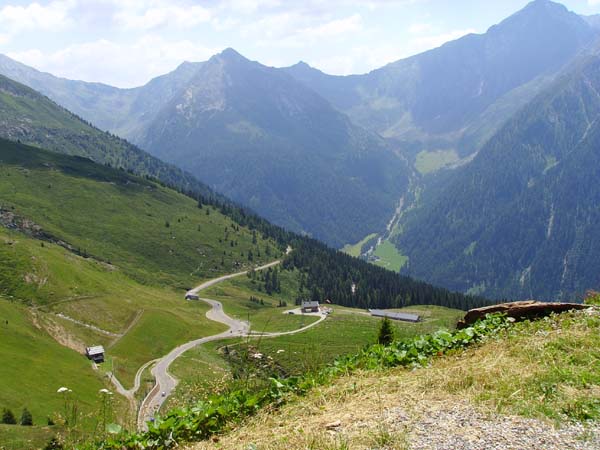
column 165, row 382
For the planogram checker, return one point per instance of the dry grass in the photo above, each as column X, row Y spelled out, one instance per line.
column 548, row 370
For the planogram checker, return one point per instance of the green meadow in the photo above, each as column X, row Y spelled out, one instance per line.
column 117, row 254
column 389, row 257
column 153, row 234
column 34, row 366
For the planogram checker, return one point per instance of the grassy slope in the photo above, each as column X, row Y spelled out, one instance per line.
column 344, row 332
column 428, row 162
column 82, row 204
column 389, row 257
column 547, row 369
column 160, row 331
column 386, row 255
column 133, row 212
column 16, row 437
column 34, row 366
column 355, row 249
column 103, row 296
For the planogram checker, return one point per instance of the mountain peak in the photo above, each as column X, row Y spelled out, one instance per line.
column 545, row 5
column 229, row 54
column 302, row 69
column 550, row 16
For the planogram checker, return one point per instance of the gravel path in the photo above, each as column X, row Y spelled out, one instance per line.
column 463, row 427
column 165, row 382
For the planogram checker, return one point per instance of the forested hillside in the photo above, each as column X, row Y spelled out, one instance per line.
column 521, row 220
column 261, row 138
column 331, row 275
column 31, row 118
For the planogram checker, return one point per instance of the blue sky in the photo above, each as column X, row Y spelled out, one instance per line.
column 127, row 42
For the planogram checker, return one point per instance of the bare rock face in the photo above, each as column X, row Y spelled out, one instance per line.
column 519, row 310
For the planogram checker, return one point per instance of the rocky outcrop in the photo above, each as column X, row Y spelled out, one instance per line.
column 519, row 310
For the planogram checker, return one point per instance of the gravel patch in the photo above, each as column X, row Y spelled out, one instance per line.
column 463, row 427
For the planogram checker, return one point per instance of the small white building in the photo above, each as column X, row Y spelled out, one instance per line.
column 310, row 307
column 95, row 353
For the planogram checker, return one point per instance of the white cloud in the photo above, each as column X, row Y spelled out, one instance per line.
column 123, row 65
column 335, row 27
column 247, row 6
column 364, row 58
column 295, row 30
column 358, row 59
column 420, row 28
column 305, row 7
column 52, row 17
column 154, row 14
column 126, row 42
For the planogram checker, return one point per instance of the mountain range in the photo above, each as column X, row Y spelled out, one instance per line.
column 255, row 134
column 469, row 158
column 521, row 220
column 455, row 96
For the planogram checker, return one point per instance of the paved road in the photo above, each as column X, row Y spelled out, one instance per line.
column 129, row 393
column 165, row 383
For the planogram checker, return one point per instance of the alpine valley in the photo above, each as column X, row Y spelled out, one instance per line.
column 448, row 165
column 235, row 255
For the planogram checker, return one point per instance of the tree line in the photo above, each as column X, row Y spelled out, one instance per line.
column 330, row 274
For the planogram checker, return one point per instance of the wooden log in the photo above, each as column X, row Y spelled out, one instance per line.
column 529, row 309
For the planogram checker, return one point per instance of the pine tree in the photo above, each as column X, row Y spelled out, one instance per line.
column 8, row 417
column 386, row 332
column 26, row 418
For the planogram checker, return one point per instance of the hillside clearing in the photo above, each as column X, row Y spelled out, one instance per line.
column 356, row 249
column 389, row 257
column 432, row 161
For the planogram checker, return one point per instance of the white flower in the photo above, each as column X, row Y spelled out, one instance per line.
column 63, row 389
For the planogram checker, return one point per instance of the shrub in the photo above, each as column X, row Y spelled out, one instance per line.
column 592, row 298
column 8, row 417
column 26, row 418
column 386, row 332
